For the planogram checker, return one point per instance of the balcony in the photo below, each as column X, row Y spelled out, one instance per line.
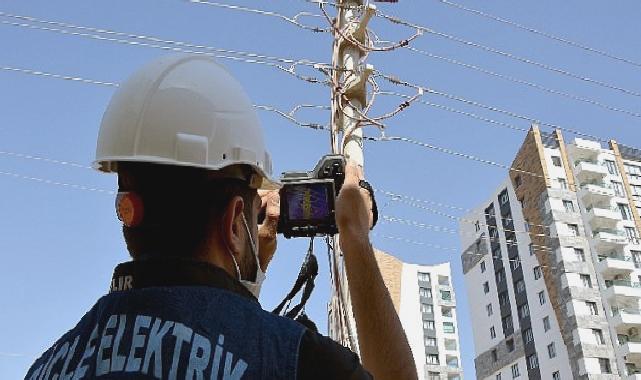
column 611, row 266
column 589, row 171
column 606, row 241
column 624, row 319
column 622, row 289
column 596, row 193
column 600, row 218
column 631, row 350
column 584, row 149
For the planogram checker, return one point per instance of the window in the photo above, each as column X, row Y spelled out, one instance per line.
column 542, row 297
column 624, row 209
column 524, row 311
column 636, row 258
column 556, row 161
column 486, row 287
column 551, row 350
column 446, row 295
column 494, row 356
column 509, row 344
column 579, row 254
column 546, row 323
column 586, row 280
column 633, row 236
column 612, row 167
column 482, row 266
column 494, row 233
column 446, row 311
column 532, row 361
column 430, row 342
column 477, row 226
column 515, row 370
column 515, row 262
column 636, row 190
column 507, row 220
column 434, row 375
column 531, row 247
column 537, row 272
column 504, row 198
column 492, row 333
column 632, row 170
column 425, row 292
column 506, row 322
column 488, row 308
column 500, row 275
column 598, row 336
column 448, row 327
column 528, row 336
column 503, row 298
column 573, row 229
column 450, row 344
column 422, row 276
column 517, row 181
column 496, row 253
column 569, row 206
column 519, row 286
column 604, row 364
column 427, row 308
column 556, row 375
column 618, row 189
column 563, row 184
column 592, row 307
column 498, row 376
column 428, row 325
column 432, row 359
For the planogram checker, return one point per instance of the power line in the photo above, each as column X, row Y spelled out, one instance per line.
column 508, row 55
column 291, row 70
column 58, row 76
column 57, row 183
column 540, row 33
column 160, row 40
column 452, row 153
column 525, row 82
column 292, row 20
column 397, row 81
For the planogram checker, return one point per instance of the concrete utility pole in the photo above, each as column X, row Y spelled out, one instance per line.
column 349, row 97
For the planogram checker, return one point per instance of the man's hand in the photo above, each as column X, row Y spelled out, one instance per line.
column 267, row 231
column 353, row 208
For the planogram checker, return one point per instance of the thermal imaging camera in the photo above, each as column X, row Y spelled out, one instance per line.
column 307, row 199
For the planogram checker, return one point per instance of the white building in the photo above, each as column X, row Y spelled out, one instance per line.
column 552, row 264
column 424, row 299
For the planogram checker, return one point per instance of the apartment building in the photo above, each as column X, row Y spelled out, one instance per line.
column 552, row 264
column 424, row 299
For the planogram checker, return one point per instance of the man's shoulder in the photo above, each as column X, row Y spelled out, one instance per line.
column 323, row 358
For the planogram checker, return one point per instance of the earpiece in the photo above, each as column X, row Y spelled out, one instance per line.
column 129, row 208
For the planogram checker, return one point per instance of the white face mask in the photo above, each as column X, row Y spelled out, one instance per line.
column 253, row 287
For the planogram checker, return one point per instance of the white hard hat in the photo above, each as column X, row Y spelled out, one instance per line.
column 184, row 110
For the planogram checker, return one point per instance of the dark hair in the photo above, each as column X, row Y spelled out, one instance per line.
column 182, row 206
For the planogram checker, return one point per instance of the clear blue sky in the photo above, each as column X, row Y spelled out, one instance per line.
column 59, row 244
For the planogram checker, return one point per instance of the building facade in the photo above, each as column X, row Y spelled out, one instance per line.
column 552, row 264
column 424, row 299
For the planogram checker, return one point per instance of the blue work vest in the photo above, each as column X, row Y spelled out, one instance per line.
column 178, row 332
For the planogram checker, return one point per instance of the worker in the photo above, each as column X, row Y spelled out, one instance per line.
column 188, row 149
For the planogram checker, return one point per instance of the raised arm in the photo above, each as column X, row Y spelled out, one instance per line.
column 385, row 352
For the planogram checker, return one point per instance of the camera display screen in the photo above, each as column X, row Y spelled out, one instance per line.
column 307, row 201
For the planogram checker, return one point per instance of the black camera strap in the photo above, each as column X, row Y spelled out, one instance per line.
column 306, row 277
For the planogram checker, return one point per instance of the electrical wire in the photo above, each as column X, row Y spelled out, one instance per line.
column 540, row 33
column 525, row 82
column 57, row 76
column 397, row 81
column 511, row 56
column 57, row 183
column 292, row 20
column 290, row 70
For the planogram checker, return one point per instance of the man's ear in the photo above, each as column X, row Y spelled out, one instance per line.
column 233, row 227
